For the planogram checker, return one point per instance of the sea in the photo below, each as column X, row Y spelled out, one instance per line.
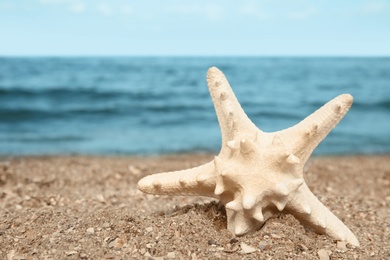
column 161, row 105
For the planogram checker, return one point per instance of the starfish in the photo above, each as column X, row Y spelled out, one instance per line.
column 258, row 174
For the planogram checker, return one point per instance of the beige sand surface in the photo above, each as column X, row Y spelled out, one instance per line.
column 75, row 207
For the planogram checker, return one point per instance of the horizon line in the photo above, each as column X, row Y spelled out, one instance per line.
column 193, row 56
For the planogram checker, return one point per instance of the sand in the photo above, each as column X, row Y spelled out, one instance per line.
column 77, row 207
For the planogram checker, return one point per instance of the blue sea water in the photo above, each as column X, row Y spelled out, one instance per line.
column 155, row 105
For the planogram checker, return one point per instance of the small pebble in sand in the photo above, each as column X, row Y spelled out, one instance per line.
column 342, row 246
column 263, row 245
column 100, row 198
column 134, row 170
column 71, row 253
column 323, row 254
column 303, row 247
column 171, row 255
column 149, row 229
column 106, row 225
column 246, row 249
column 233, row 240
column 91, row 231
column 117, row 243
column 212, row 242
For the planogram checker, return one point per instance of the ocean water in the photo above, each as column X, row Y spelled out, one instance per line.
column 156, row 105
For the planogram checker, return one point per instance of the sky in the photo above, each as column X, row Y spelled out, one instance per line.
column 195, row 28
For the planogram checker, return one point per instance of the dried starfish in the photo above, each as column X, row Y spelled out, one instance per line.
column 259, row 174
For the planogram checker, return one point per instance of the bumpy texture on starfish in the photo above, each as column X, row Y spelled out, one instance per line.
column 259, row 174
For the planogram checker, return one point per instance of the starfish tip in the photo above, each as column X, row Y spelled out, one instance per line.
column 213, row 70
column 347, row 99
column 145, row 183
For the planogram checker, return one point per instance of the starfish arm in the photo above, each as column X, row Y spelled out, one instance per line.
column 311, row 212
column 231, row 117
column 304, row 137
column 195, row 181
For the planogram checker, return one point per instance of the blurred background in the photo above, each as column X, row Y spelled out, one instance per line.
column 129, row 77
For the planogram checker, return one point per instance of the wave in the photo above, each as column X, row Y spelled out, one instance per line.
column 33, row 114
column 72, row 92
column 357, row 104
column 382, row 104
column 100, row 101
column 100, row 111
column 41, row 139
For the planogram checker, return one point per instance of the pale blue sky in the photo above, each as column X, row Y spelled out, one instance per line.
column 198, row 27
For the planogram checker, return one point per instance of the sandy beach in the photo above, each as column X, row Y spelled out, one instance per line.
column 78, row 207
